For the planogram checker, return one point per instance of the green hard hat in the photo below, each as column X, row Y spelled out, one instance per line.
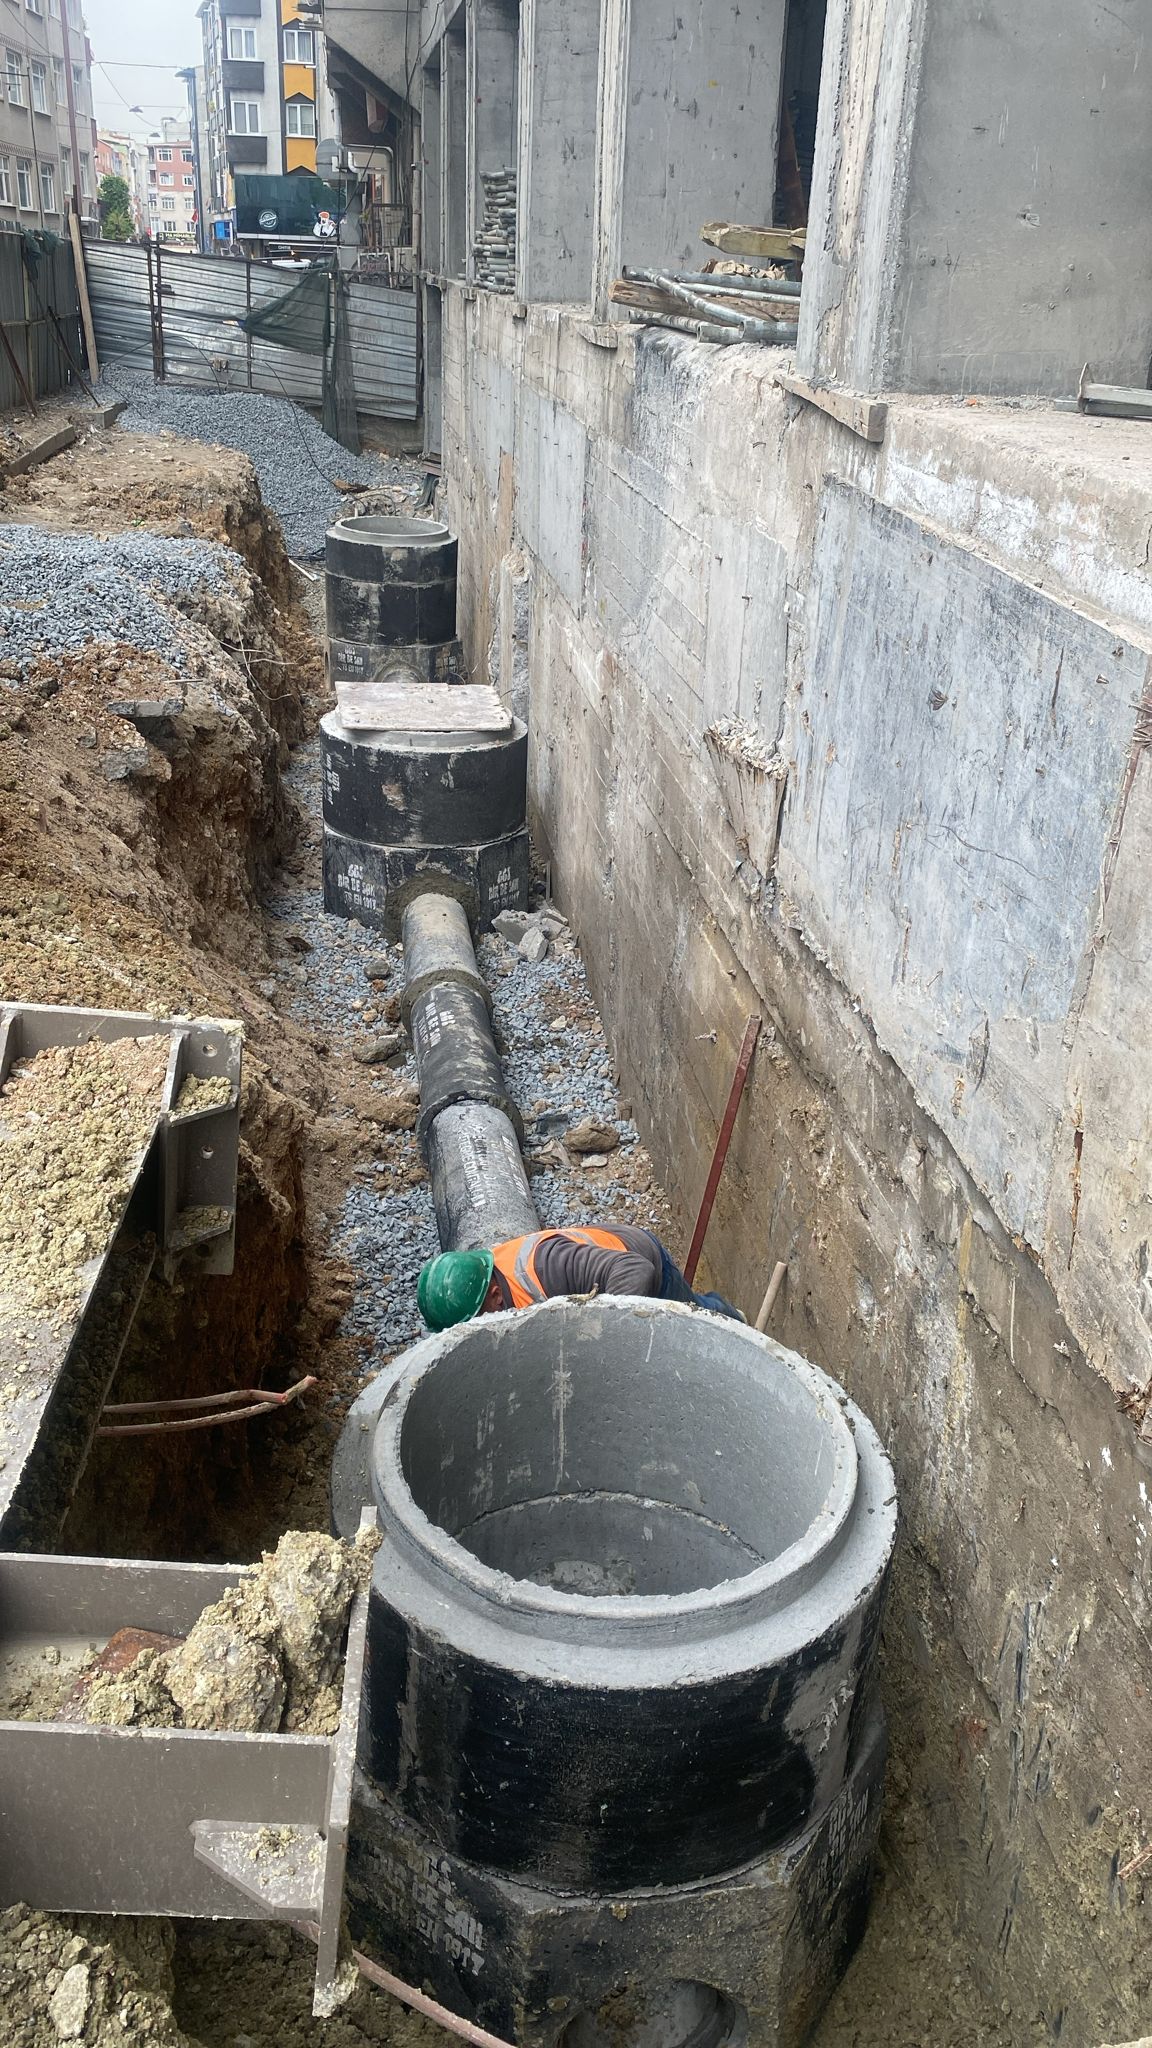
column 452, row 1287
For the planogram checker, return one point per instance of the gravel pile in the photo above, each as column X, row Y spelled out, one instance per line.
column 293, row 457
column 61, row 591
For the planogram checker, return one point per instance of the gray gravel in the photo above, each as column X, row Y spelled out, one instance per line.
column 292, row 455
column 60, row 591
column 385, row 1231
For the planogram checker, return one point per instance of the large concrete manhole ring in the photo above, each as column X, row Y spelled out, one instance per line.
column 625, row 1613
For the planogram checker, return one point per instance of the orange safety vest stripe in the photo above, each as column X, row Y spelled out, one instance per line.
column 515, row 1261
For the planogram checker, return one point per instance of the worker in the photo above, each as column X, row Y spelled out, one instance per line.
column 618, row 1259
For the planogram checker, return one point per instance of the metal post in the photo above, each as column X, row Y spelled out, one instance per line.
column 248, row 311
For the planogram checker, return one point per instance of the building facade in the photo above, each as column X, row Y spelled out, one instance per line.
column 118, row 156
column 166, row 183
column 265, row 94
column 37, row 171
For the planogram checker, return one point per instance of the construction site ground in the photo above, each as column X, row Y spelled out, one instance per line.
column 184, row 878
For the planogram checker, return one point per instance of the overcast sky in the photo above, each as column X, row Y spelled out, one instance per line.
column 129, row 38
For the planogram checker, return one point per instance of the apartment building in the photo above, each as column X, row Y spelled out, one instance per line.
column 118, row 156
column 265, row 92
column 36, row 164
column 166, row 183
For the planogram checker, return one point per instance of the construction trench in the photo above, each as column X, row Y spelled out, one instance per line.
column 613, row 1739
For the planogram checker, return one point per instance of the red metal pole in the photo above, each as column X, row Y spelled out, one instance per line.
column 723, row 1141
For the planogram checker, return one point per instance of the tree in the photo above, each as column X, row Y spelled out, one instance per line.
column 115, row 209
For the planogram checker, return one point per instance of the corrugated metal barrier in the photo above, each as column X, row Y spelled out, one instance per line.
column 177, row 312
column 28, row 299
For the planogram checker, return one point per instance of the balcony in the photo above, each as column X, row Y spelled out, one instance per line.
column 243, row 75
column 235, row 7
column 247, row 149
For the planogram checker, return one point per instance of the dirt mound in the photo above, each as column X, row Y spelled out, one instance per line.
column 58, row 1985
column 265, row 1657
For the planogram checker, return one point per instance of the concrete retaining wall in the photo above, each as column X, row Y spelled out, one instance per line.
column 919, row 851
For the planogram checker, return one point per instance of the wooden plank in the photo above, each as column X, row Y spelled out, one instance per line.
column 82, row 293
column 867, row 417
column 772, row 245
column 422, row 707
column 40, row 451
column 653, row 298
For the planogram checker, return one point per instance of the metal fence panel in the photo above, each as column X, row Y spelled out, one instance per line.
column 201, row 300
column 27, row 302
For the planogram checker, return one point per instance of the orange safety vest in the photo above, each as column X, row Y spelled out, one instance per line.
column 515, row 1261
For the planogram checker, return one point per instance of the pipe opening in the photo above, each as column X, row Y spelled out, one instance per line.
column 679, row 2015
column 391, row 532
column 669, row 1456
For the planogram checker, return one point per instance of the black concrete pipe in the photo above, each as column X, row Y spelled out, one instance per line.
column 390, row 597
column 469, row 1127
column 622, row 1761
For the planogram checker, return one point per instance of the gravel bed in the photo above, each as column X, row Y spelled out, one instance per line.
column 293, row 457
column 61, row 591
column 558, row 1077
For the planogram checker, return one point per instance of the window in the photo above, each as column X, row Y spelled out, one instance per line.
column 189, row 181
column 163, row 155
column 15, row 79
column 39, row 77
column 168, row 205
column 66, row 171
column 54, row 9
column 165, row 177
column 77, row 78
column 244, row 117
column 33, row 6
column 58, row 91
column 301, row 117
column 298, row 46
column 24, row 183
column 242, row 43
column 5, row 181
column 48, row 187
column 86, row 175
column 187, row 156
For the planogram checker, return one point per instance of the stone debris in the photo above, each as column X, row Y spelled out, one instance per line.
column 390, row 1045
column 202, row 1091
column 265, row 1657
column 74, row 1121
column 590, row 1137
column 103, row 1983
column 534, row 945
column 513, row 925
column 69, row 2003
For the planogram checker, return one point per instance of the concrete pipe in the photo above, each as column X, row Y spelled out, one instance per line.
column 479, row 1185
column 390, row 582
column 456, row 1059
column 423, row 789
column 437, row 949
column 623, row 1752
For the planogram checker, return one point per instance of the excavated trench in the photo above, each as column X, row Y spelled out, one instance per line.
column 191, row 883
